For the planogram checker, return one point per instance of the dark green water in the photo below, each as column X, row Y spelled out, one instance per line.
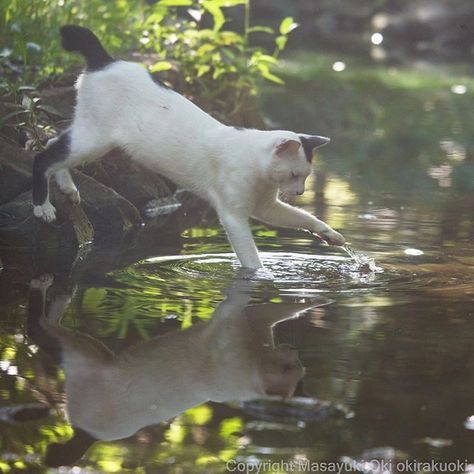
column 147, row 338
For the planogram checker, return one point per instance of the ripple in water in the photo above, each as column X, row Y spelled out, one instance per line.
column 289, row 272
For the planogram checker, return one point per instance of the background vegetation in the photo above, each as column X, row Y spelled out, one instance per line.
column 188, row 43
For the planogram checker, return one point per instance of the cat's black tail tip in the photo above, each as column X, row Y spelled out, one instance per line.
column 81, row 40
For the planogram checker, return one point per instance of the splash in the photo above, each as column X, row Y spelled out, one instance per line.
column 365, row 263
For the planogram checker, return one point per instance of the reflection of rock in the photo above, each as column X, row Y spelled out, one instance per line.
column 298, row 409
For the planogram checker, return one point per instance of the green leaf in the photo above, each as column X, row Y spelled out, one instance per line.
column 229, row 3
column 204, row 49
column 261, row 29
column 175, row 3
column 161, row 66
column 216, row 12
column 265, row 72
column 266, row 58
column 288, row 25
column 203, row 69
column 281, row 41
column 230, row 37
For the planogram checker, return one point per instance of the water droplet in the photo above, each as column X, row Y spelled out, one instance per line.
column 367, row 216
column 413, row 252
column 437, row 442
column 366, row 264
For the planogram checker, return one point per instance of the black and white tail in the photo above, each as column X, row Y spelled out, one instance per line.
column 81, row 40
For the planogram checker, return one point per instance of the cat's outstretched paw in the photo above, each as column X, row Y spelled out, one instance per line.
column 332, row 237
column 46, row 212
column 43, row 282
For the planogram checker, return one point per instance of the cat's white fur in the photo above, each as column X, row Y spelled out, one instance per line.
column 240, row 172
column 232, row 357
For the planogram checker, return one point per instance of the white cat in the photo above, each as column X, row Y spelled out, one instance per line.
column 239, row 171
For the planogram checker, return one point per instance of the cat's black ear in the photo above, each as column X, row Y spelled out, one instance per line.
column 287, row 147
column 311, row 142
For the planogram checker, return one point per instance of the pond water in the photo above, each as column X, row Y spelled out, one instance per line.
column 175, row 361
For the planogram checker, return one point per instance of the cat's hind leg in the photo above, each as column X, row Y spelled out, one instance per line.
column 44, row 163
column 76, row 145
column 67, row 186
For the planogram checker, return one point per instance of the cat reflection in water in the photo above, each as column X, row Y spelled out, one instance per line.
column 111, row 396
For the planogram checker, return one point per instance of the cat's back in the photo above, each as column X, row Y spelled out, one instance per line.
column 122, row 80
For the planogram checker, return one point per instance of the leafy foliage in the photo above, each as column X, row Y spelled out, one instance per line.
column 28, row 116
column 190, row 43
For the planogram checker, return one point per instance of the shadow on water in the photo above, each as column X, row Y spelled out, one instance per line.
column 155, row 354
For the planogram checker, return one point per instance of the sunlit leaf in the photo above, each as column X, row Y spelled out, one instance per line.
column 271, row 77
column 281, row 41
column 161, row 66
column 265, row 58
column 261, row 29
column 175, row 433
column 110, row 465
column 196, row 14
column 217, row 15
column 203, row 69
column 206, row 459
column 229, row 3
column 288, row 25
column 199, row 415
column 205, row 48
column 230, row 426
column 175, row 3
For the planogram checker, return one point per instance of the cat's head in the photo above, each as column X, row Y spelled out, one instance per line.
column 281, row 371
column 291, row 160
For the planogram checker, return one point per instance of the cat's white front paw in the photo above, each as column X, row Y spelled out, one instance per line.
column 332, row 237
column 46, row 212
